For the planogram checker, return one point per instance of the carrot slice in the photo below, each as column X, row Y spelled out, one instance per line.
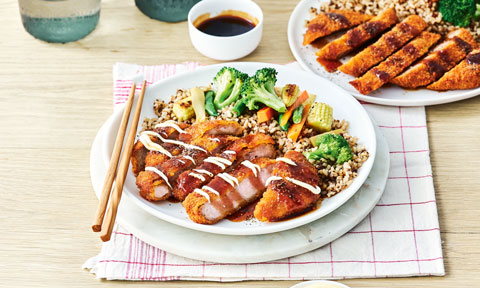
column 265, row 114
column 295, row 129
column 300, row 99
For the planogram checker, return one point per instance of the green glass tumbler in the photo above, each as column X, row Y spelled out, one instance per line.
column 59, row 21
column 166, row 10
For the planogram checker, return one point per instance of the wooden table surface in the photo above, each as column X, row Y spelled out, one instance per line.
column 54, row 98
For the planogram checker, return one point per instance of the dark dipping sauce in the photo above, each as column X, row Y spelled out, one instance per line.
column 243, row 214
column 329, row 65
column 225, row 25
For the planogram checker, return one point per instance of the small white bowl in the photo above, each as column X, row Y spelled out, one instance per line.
column 326, row 283
column 229, row 47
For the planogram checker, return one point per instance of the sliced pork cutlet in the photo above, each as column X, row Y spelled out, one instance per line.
column 161, row 148
column 395, row 64
column 151, row 138
column 465, row 75
column 334, row 20
column 291, row 190
column 157, row 182
column 246, row 148
column 442, row 58
column 385, row 46
column 358, row 36
column 228, row 192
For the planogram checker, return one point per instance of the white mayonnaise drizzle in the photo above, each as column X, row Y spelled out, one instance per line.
column 198, row 176
column 152, row 146
column 203, row 193
column 314, row 190
column 215, row 139
column 272, row 178
column 203, row 171
column 211, row 190
column 252, row 167
column 160, row 173
column 286, row 160
column 180, row 143
column 220, row 162
column 181, row 161
column 229, row 152
column 170, row 123
column 229, row 179
column 190, row 158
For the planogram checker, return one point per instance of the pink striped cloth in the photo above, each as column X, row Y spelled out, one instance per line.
column 400, row 237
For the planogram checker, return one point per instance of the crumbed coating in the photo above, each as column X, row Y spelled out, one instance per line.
column 331, row 21
column 465, row 75
column 248, row 144
column 194, row 202
column 377, row 76
column 441, row 59
column 284, row 199
column 359, row 35
column 385, row 46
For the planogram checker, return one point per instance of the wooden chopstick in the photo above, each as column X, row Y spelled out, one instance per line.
column 112, row 168
column 109, row 220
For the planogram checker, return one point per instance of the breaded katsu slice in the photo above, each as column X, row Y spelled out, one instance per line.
column 385, row 46
column 228, row 192
column 465, row 75
column 441, row 59
column 157, row 182
column 170, row 130
column 292, row 189
column 246, row 148
column 334, row 20
column 395, row 64
column 358, row 36
column 160, row 149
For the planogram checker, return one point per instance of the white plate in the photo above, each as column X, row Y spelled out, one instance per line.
column 344, row 107
column 246, row 249
column 391, row 95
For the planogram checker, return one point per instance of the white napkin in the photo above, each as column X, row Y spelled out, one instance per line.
column 400, row 237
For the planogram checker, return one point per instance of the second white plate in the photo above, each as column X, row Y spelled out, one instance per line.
column 389, row 95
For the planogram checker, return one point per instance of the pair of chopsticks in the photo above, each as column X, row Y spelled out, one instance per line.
column 104, row 223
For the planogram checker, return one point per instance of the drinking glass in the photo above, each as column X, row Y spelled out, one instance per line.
column 59, row 20
column 166, row 10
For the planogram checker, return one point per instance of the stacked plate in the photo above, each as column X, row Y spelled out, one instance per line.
column 167, row 226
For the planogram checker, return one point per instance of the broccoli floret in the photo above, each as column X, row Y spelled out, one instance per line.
column 332, row 147
column 260, row 88
column 228, row 82
column 457, row 12
column 477, row 12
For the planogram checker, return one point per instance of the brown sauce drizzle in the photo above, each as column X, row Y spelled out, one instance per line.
column 393, row 41
column 245, row 213
column 329, row 65
column 354, row 37
column 319, row 43
column 465, row 46
column 316, row 27
column 473, row 59
column 435, row 68
column 410, row 49
column 338, row 18
column 407, row 28
column 382, row 75
column 444, row 57
column 373, row 27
